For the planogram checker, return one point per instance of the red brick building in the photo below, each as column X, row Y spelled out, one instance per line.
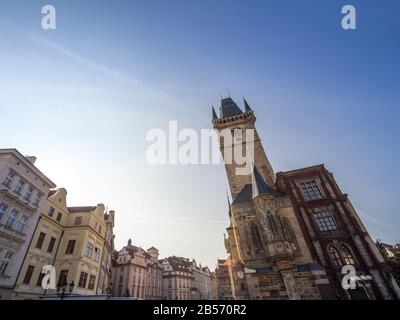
column 335, row 234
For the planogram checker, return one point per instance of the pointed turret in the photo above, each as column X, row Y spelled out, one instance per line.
column 259, row 186
column 229, row 204
column 246, row 106
column 214, row 114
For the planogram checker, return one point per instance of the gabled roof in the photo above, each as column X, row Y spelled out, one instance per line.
column 214, row 114
column 246, row 106
column 229, row 108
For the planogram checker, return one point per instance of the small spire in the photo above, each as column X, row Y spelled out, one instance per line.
column 246, row 105
column 214, row 114
column 229, row 204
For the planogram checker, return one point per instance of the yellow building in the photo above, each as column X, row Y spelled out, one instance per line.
column 69, row 238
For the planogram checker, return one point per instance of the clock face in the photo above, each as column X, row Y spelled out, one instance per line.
column 237, row 132
column 240, row 275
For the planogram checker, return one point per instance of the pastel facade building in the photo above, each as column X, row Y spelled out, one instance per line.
column 71, row 239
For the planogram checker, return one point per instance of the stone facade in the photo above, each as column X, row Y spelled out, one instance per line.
column 269, row 256
column 23, row 191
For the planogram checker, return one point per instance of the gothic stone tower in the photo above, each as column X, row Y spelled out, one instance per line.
column 270, row 258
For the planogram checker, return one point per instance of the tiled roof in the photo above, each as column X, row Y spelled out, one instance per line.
column 51, row 192
column 229, row 108
column 180, row 264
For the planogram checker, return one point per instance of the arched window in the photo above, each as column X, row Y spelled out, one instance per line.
column 335, row 256
column 255, row 236
column 346, row 255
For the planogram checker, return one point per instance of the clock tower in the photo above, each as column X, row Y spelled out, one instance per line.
column 270, row 258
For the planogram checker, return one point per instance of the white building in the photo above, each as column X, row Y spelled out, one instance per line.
column 23, row 190
column 201, row 288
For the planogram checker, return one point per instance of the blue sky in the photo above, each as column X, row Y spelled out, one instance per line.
column 82, row 98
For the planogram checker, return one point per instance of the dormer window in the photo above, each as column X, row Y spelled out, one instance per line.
column 311, row 190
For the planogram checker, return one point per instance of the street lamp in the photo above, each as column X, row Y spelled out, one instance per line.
column 62, row 289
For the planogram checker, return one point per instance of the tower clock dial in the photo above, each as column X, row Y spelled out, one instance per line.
column 240, row 275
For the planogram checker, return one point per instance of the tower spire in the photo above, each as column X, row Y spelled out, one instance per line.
column 246, row 105
column 214, row 114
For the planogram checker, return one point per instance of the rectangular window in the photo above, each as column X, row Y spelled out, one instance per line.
column 89, row 250
column 28, row 194
column 59, row 216
column 40, row 279
column 78, row 221
column 83, row 280
column 7, row 181
column 11, row 219
column 6, row 262
column 28, row 274
column 96, row 254
column 325, row 220
column 3, row 209
column 63, row 278
column 311, row 190
column 19, row 186
column 22, row 224
column 92, row 280
column 70, row 247
column 51, row 211
column 51, row 245
column 37, row 199
column 40, row 240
